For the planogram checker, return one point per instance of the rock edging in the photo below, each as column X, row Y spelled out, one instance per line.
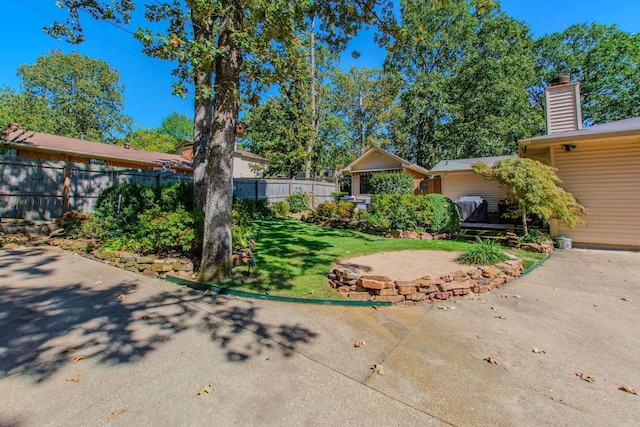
column 427, row 288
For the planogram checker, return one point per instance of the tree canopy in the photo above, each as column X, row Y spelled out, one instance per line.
column 71, row 95
column 604, row 59
column 466, row 67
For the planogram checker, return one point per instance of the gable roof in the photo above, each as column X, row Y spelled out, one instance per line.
column 44, row 142
column 457, row 165
column 375, row 150
column 618, row 128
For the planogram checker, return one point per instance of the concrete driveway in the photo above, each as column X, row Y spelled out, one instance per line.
column 147, row 347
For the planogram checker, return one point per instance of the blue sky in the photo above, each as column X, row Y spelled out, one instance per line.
column 148, row 81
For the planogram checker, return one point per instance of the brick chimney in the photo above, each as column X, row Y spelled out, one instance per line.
column 562, row 104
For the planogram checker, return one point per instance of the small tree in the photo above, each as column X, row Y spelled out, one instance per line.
column 533, row 189
column 391, row 183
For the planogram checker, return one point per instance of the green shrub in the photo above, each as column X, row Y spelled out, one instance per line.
column 255, row 208
column 534, row 236
column 167, row 232
column 172, row 196
column 433, row 212
column 85, row 226
column 445, row 217
column 281, row 209
column 391, row 183
column 362, row 215
column 344, row 210
column 134, row 199
column 327, row 209
column 298, row 202
column 484, row 252
column 241, row 229
column 336, row 195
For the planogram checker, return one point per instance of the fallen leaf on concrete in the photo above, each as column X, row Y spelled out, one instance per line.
column 143, row 353
column 585, row 377
column 514, row 302
column 116, row 413
column 445, row 307
column 359, row 344
column 627, row 389
column 75, row 379
column 505, row 296
column 538, row 351
column 71, row 349
column 501, row 317
column 375, row 307
column 99, row 282
column 131, row 291
column 377, row 369
column 208, row 292
column 480, row 337
column 517, row 296
column 220, row 301
column 204, row 389
column 493, row 308
column 79, row 358
column 626, row 299
column 491, row 360
column 122, row 297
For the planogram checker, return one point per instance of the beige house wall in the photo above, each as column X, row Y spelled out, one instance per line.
column 467, row 183
column 605, row 178
column 378, row 161
column 241, row 167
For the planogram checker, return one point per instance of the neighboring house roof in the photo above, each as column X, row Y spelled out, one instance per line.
column 353, row 166
column 458, row 165
column 618, row 127
column 243, row 153
column 44, row 142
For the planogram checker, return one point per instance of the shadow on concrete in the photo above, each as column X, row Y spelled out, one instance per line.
column 43, row 327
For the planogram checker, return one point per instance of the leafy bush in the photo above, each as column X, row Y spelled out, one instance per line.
column 72, row 221
column 534, row 236
column 255, row 208
column 345, row 210
column 484, row 252
column 134, row 200
column 298, row 202
column 391, row 183
column 172, row 196
column 166, row 232
column 327, row 209
column 241, row 229
column 433, row 212
column 281, row 209
column 445, row 217
column 336, row 195
column 85, row 226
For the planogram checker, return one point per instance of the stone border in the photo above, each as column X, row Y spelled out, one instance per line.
column 426, row 289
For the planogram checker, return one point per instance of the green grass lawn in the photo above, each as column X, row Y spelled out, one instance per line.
column 293, row 258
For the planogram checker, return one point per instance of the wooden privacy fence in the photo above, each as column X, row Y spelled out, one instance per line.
column 42, row 190
column 277, row 190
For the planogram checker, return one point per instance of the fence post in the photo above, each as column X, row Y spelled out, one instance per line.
column 257, row 188
column 66, row 187
column 313, row 194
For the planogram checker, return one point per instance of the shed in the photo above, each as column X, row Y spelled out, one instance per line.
column 376, row 160
column 459, row 180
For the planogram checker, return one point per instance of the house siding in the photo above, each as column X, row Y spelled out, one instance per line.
column 379, row 162
column 241, row 167
column 467, row 183
column 605, row 178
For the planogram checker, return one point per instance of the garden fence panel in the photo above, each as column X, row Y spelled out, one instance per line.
column 42, row 190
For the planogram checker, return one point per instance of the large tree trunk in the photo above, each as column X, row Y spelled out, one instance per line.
column 314, row 118
column 216, row 247
column 203, row 104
